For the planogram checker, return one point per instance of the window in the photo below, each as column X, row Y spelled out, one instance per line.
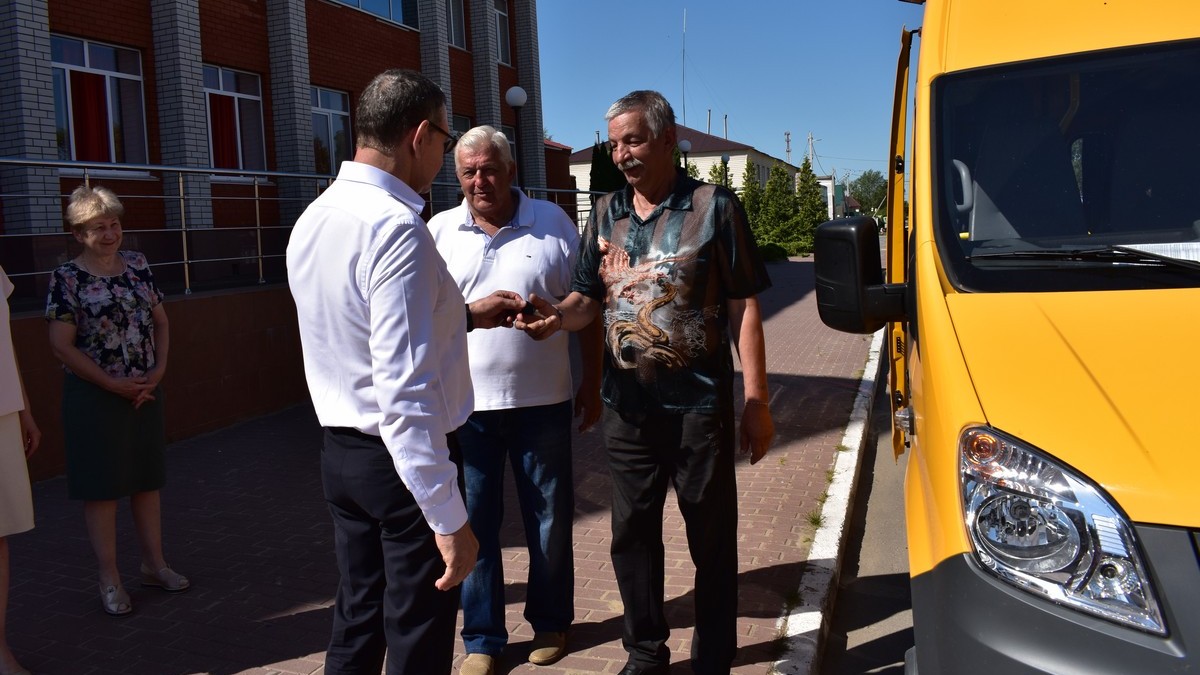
column 332, row 142
column 503, row 47
column 98, row 109
column 235, row 121
column 511, row 134
column 460, row 124
column 401, row 11
column 456, row 24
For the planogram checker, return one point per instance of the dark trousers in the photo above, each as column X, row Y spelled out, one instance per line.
column 388, row 561
column 694, row 453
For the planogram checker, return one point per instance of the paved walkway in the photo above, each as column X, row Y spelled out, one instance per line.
column 244, row 519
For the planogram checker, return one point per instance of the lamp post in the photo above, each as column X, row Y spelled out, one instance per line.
column 685, row 146
column 516, row 97
column 725, row 169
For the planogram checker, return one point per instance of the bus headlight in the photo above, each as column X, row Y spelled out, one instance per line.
column 1039, row 526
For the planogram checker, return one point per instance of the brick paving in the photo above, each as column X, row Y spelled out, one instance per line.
column 244, row 519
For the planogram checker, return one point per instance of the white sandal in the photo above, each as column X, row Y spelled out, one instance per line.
column 115, row 600
column 167, row 579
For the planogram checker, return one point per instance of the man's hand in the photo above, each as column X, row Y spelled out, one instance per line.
column 459, row 552
column 540, row 329
column 757, row 430
column 498, row 309
column 588, row 405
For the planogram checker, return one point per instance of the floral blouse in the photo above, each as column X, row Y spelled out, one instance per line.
column 113, row 316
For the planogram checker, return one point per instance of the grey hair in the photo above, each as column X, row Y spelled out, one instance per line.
column 659, row 115
column 394, row 102
column 88, row 204
column 482, row 136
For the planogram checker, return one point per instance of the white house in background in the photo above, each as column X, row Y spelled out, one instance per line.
column 705, row 152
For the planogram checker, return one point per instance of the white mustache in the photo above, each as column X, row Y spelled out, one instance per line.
column 629, row 164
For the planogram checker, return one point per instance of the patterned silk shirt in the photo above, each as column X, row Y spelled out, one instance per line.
column 664, row 283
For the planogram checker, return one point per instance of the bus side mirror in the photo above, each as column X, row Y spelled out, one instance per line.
column 851, row 295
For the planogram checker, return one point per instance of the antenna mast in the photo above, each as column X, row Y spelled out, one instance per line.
column 683, row 69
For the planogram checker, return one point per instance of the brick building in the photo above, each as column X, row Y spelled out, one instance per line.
column 217, row 121
column 253, row 85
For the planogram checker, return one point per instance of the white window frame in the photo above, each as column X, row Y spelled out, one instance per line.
column 456, row 28
column 109, row 76
column 329, row 114
column 503, row 43
column 236, row 95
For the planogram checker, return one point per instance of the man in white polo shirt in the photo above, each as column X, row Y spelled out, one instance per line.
column 383, row 330
column 499, row 238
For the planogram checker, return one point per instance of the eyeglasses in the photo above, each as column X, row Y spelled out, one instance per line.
column 451, row 139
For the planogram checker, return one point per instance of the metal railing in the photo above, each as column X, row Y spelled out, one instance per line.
column 202, row 229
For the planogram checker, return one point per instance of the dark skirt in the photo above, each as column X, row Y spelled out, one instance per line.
column 112, row 450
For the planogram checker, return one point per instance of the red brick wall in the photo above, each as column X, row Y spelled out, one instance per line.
column 234, row 356
column 462, row 84
column 348, row 47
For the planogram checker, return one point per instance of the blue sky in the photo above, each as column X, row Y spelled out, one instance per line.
column 820, row 66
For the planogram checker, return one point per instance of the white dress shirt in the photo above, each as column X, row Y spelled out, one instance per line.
column 534, row 253
column 383, row 330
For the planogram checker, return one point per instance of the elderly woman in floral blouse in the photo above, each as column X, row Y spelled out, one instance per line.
column 109, row 328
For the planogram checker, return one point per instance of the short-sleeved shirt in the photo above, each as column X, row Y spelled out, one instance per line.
column 534, row 253
column 663, row 283
column 113, row 316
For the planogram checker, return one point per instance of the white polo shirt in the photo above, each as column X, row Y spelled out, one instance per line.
column 535, row 253
column 383, row 330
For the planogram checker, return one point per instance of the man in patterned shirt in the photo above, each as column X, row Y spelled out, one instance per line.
column 672, row 266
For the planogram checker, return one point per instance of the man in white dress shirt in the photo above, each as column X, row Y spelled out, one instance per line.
column 499, row 238
column 383, row 331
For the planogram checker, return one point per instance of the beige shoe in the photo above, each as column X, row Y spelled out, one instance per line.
column 547, row 648
column 478, row 664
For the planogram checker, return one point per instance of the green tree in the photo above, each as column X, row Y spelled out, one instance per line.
column 779, row 216
column 811, row 205
column 752, row 194
column 604, row 175
column 718, row 174
column 693, row 171
column 869, row 189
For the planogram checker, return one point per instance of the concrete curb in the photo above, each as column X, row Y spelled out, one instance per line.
column 805, row 626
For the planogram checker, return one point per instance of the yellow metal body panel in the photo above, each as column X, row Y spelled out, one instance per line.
column 962, row 34
column 1111, row 400
column 1108, row 399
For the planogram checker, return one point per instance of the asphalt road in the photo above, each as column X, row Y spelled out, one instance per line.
column 872, row 620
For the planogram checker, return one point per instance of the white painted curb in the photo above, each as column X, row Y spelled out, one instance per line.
column 805, row 625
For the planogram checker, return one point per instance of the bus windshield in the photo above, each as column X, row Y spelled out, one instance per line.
column 1073, row 173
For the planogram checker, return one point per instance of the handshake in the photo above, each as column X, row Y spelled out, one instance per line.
column 536, row 316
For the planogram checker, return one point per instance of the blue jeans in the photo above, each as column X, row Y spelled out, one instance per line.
column 537, row 442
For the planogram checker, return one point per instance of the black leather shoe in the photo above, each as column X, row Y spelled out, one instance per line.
column 635, row 669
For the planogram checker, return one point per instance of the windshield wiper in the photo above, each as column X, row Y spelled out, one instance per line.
column 1113, row 254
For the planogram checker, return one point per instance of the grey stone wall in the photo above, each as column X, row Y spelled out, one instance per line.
column 31, row 195
column 182, row 120
column 529, row 75
column 291, row 105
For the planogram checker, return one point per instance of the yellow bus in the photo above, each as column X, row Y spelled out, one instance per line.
column 1042, row 306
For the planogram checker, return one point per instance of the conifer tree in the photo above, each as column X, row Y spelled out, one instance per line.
column 752, row 197
column 779, row 215
column 718, row 174
column 811, row 206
